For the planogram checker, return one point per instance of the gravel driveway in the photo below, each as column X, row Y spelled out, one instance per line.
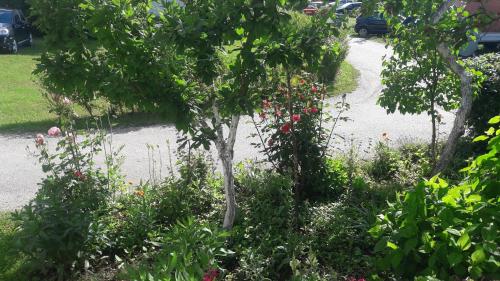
column 19, row 172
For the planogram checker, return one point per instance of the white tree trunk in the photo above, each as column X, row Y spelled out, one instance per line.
column 225, row 148
column 466, row 92
column 462, row 113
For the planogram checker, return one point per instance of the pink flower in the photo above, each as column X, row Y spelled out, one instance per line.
column 314, row 89
column 285, row 129
column 305, row 110
column 278, row 113
column 296, row 117
column 66, row 101
column 54, row 132
column 361, row 279
column 39, row 139
column 314, row 110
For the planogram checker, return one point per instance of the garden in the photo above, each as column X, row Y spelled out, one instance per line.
column 416, row 211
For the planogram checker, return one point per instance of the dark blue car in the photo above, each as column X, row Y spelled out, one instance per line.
column 371, row 25
column 14, row 30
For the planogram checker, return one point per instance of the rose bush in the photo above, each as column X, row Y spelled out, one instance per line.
column 292, row 122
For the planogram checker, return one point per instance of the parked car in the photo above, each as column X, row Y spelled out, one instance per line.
column 348, row 7
column 332, row 3
column 15, row 30
column 371, row 25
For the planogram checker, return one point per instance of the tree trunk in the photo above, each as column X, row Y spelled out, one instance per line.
column 434, row 137
column 462, row 113
column 225, row 148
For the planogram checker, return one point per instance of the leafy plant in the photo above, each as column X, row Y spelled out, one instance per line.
column 443, row 231
column 487, row 101
column 55, row 229
column 189, row 251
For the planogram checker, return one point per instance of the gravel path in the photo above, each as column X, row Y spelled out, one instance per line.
column 20, row 173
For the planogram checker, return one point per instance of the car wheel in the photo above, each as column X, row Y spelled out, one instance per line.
column 363, row 32
column 13, row 47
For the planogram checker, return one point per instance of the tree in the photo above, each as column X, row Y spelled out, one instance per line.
column 201, row 65
column 450, row 27
column 417, row 80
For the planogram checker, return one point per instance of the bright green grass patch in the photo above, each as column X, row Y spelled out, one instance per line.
column 10, row 261
column 21, row 104
column 346, row 81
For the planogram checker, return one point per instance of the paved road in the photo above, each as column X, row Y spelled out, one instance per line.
column 20, row 173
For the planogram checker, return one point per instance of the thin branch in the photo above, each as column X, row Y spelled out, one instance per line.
column 266, row 150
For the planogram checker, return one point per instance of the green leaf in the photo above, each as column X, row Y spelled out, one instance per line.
column 478, row 256
column 464, row 242
column 455, row 258
column 392, row 245
column 240, row 31
column 480, row 138
column 494, row 120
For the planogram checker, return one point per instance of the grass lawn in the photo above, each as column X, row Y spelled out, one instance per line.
column 22, row 107
column 10, row 262
column 346, row 81
column 24, row 110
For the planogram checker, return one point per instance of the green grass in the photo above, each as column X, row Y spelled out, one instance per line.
column 24, row 110
column 346, row 81
column 21, row 104
column 10, row 262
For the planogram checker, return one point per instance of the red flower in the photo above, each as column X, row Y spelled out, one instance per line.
column 305, row 110
column 296, row 117
column 314, row 89
column 302, row 81
column 361, row 279
column 314, row 110
column 301, row 96
column 285, row 129
column 79, row 175
column 211, row 275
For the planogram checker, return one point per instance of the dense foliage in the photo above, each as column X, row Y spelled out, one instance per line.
column 487, row 101
column 56, row 229
column 446, row 231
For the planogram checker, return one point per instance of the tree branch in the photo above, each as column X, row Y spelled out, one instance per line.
column 443, row 8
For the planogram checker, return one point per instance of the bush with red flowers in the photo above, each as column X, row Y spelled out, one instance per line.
column 291, row 129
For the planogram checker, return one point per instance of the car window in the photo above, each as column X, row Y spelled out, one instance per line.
column 5, row 16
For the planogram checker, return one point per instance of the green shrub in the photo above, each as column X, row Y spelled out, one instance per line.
column 487, row 101
column 189, row 251
column 338, row 235
column 55, row 229
column 263, row 236
column 405, row 165
column 446, row 232
column 140, row 217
